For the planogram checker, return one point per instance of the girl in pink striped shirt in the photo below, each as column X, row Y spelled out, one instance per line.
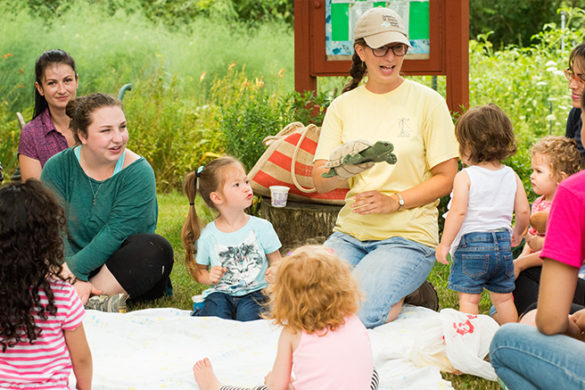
column 41, row 334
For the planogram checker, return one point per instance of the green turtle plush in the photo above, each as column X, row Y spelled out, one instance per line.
column 356, row 156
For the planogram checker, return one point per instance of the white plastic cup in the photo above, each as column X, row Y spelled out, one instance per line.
column 278, row 195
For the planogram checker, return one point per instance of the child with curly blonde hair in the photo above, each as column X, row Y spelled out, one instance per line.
column 554, row 158
column 315, row 299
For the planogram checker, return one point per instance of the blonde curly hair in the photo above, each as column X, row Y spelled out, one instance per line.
column 562, row 153
column 314, row 291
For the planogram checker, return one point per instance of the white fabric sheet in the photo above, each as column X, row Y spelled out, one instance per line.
column 156, row 349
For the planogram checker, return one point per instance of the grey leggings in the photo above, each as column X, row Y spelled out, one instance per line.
column 373, row 385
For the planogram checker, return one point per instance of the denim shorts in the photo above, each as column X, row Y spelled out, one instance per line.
column 386, row 270
column 483, row 260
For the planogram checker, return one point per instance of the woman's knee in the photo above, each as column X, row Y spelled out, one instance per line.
column 506, row 334
column 142, row 262
column 150, row 245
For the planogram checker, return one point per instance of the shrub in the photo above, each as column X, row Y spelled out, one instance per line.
column 172, row 130
column 249, row 113
column 511, row 21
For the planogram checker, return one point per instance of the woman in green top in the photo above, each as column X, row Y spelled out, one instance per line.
column 109, row 195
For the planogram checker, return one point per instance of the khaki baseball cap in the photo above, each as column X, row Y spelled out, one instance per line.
column 380, row 26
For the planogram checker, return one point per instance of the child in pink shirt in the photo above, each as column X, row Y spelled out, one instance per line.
column 315, row 299
column 553, row 159
column 41, row 334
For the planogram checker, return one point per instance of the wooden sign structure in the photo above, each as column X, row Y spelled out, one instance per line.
column 324, row 30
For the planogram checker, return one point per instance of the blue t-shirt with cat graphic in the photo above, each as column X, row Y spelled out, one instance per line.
column 242, row 252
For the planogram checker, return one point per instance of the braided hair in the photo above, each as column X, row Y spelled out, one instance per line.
column 358, row 68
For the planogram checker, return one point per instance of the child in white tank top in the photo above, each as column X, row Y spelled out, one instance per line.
column 478, row 231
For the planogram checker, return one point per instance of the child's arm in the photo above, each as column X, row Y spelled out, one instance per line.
column 80, row 356
column 273, row 260
column 579, row 319
column 526, row 261
column 455, row 216
column 535, row 242
column 522, row 213
column 279, row 377
column 210, row 276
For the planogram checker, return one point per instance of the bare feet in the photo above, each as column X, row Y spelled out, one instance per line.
column 204, row 375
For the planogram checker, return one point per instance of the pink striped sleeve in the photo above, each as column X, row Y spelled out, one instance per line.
column 73, row 308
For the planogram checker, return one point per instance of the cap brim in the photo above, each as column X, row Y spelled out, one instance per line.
column 386, row 37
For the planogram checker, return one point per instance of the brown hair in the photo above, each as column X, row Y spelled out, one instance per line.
column 562, row 154
column 81, row 108
column 313, row 291
column 358, row 68
column 577, row 52
column 56, row 56
column 486, row 134
column 209, row 179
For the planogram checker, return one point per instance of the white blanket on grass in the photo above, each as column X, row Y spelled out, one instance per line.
column 156, row 348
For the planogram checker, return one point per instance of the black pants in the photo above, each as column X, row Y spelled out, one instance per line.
column 142, row 266
column 526, row 292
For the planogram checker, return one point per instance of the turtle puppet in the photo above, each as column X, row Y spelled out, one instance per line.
column 356, row 156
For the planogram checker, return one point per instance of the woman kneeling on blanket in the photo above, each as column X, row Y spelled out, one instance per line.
column 109, row 196
column 315, row 299
column 388, row 227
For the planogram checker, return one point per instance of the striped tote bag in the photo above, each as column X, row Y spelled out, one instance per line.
column 288, row 161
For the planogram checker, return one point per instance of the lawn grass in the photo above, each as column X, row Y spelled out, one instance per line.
column 173, row 209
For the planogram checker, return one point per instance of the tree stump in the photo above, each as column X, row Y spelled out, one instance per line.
column 300, row 223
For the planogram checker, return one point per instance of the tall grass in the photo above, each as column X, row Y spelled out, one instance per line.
column 111, row 50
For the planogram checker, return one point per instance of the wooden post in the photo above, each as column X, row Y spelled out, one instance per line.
column 304, row 80
column 457, row 54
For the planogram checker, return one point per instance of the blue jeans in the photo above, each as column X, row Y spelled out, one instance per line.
column 244, row 308
column 386, row 270
column 483, row 260
column 526, row 359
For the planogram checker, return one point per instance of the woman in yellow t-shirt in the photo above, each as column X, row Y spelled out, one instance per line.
column 388, row 227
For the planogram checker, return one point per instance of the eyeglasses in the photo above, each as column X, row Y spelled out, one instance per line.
column 569, row 75
column 398, row 50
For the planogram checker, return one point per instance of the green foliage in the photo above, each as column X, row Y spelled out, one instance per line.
column 174, row 14
column 254, row 10
column 307, row 107
column 249, row 113
column 245, row 125
column 172, row 131
column 113, row 49
column 512, row 21
column 9, row 133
